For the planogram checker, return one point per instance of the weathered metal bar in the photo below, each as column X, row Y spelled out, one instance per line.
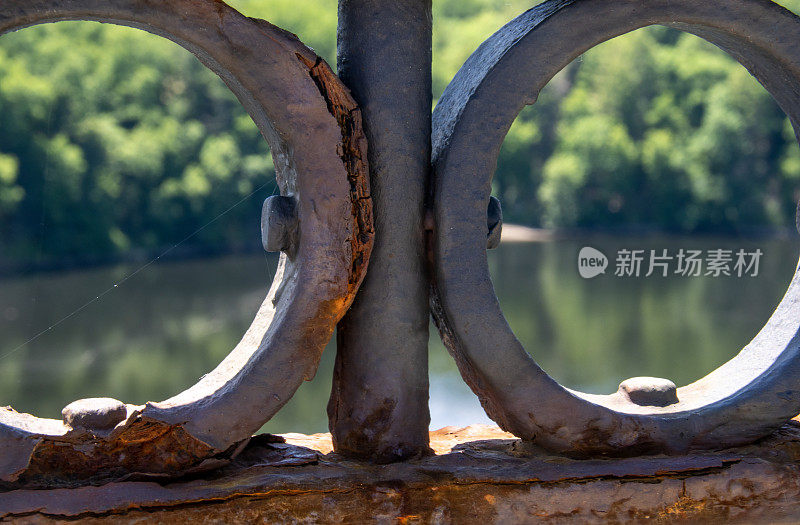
column 379, row 403
column 478, row 475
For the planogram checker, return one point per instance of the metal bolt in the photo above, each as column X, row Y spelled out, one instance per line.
column 649, row 391
column 96, row 413
column 494, row 221
column 279, row 224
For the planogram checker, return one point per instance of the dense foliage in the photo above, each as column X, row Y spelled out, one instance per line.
column 659, row 128
column 113, row 140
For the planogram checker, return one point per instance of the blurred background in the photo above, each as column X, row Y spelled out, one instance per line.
column 131, row 182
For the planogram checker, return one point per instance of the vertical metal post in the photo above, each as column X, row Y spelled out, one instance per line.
column 379, row 404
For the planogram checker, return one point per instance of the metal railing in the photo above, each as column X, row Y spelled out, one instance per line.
column 369, row 177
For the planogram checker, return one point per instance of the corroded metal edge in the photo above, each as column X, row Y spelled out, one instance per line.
column 320, row 160
column 479, row 474
column 743, row 400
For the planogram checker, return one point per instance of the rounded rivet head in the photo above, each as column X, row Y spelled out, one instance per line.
column 649, row 391
column 279, row 224
column 494, row 222
column 97, row 413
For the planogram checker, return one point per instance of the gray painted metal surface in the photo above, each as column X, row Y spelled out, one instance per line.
column 745, row 399
column 379, row 404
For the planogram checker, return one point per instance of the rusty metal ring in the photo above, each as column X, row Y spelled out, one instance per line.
column 745, row 399
column 313, row 128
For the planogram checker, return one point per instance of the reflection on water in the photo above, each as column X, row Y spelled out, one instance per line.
column 161, row 330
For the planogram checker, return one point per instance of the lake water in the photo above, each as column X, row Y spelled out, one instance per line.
column 162, row 329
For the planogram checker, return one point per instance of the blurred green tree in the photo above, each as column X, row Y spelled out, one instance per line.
column 112, row 139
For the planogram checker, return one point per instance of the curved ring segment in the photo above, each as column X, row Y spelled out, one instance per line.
column 313, row 128
column 745, row 399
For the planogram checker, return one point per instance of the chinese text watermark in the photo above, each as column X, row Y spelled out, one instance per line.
column 685, row 263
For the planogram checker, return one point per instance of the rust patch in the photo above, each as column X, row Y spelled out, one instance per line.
column 144, row 448
column 479, row 480
column 362, row 435
column 353, row 152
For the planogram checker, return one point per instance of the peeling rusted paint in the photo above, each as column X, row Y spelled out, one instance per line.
column 142, row 448
column 353, row 152
column 480, row 474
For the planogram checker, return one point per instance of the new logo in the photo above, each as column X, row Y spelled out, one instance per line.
column 591, row 262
